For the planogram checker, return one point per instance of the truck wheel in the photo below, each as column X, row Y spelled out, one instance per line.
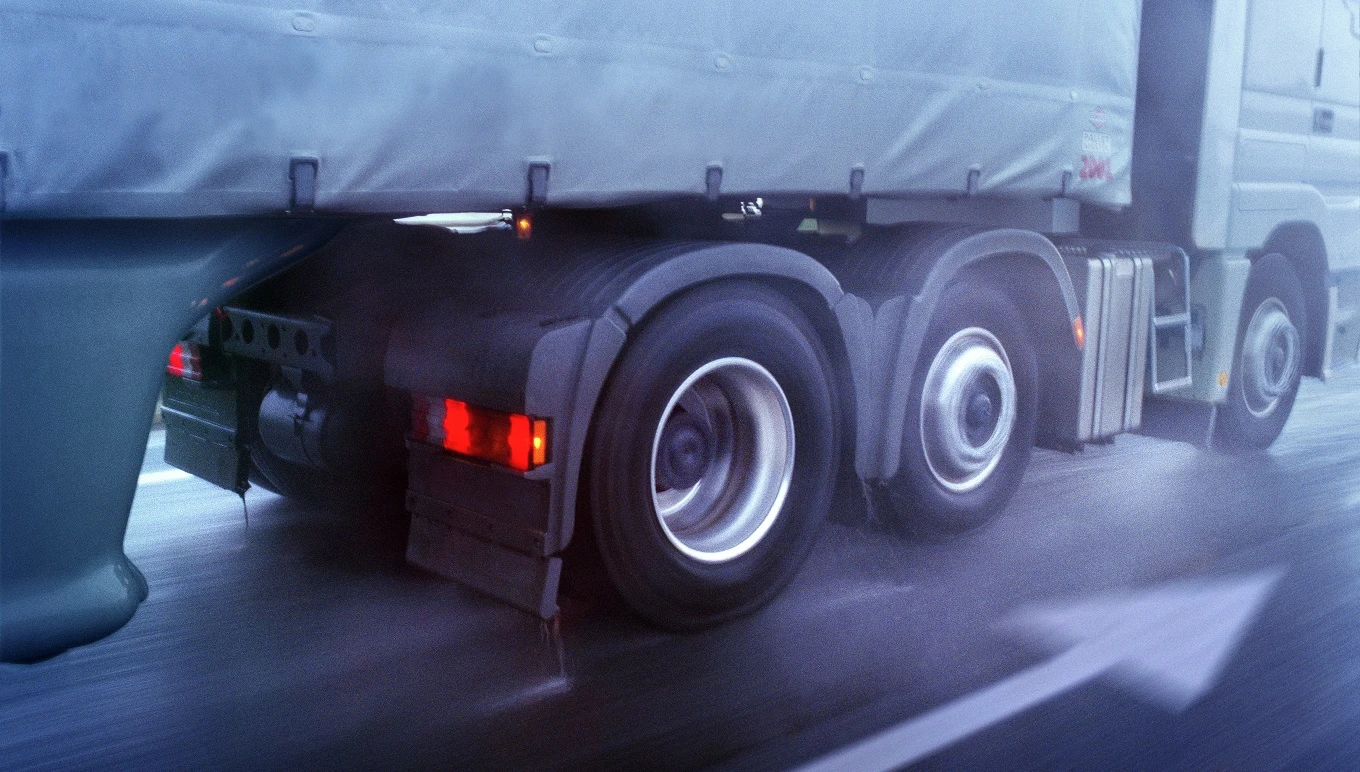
column 971, row 415
column 713, row 455
column 1267, row 367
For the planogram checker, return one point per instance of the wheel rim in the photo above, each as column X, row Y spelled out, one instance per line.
column 722, row 460
column 1270, row 358
column 967, row 409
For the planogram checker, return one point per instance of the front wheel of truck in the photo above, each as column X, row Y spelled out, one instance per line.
column 1268, row 364
column 713, row 455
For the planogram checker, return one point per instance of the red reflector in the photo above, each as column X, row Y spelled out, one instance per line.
column 458, row 429
column 520, row 442
column 509, row 439
column 185, row 361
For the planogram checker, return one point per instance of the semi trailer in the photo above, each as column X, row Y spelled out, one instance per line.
column 638, row 283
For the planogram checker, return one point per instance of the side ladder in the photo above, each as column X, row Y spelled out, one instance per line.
column 1169, row 339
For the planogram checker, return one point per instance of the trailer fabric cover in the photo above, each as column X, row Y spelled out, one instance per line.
column 161, row 108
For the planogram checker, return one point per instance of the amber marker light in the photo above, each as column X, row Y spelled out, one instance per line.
column 540, row 443
column 1079, row 333
column 524, row 227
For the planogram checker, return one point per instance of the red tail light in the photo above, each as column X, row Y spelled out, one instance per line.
column 186, row 361
column 510, row 439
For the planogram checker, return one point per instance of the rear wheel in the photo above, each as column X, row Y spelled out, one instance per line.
column 1268, row 364
column 970, row 418
column 713, row 455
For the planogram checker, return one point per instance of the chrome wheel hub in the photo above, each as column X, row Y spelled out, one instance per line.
column 967, row 409
column 1270, row 358
column 722, row 460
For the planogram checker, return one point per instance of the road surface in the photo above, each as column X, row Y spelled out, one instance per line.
column 300, row 638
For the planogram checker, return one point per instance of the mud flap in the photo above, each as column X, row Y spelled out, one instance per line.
column 201, row 433
column 526, row 581
column 483, row 527
column 1180, row 420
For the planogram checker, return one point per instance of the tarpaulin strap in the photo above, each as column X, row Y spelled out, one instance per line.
column 4, row 175
column 302, row 172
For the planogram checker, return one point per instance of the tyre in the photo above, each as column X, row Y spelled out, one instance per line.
column 713, row 455
column 1268, row 361
column 971, row 415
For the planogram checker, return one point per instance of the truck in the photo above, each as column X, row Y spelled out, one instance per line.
column 634, row 283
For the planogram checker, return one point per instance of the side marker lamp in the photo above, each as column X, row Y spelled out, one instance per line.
column 509, row 439
column 1079, row 333
column 186, row 361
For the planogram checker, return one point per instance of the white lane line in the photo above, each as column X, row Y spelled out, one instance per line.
column 1169, row 644
column 163, row 476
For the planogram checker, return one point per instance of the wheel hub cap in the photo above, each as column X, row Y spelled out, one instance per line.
column 684, row 453
column 967, row 409
column 980, row 416
column 1270, row 358
column 722, row 460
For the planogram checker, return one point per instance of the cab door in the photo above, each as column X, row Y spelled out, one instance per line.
column 1334, row 147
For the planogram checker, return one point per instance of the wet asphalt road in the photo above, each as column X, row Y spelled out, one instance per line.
column 301, row 639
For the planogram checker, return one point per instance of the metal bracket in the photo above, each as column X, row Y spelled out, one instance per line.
column 713, row 181
column 974, row 181
column 283, row 340
column 302, row 173
column 1055, row 216
column 537, row 194
column 856, row 183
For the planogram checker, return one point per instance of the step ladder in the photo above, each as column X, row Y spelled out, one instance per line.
column 1171, row 322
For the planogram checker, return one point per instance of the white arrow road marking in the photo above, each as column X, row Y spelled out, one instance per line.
column 1168, row 643
column 163, row 476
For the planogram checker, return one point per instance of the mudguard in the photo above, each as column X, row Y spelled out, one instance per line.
column 901, row 278
column 553, row 361
column 88, row 312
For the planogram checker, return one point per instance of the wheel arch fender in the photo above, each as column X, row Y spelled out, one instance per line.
column 1302, row 245
column 1024, row 265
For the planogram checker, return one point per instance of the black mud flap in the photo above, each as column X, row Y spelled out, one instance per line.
column 201, row 433
column 1180, row 420
column 484, row 527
